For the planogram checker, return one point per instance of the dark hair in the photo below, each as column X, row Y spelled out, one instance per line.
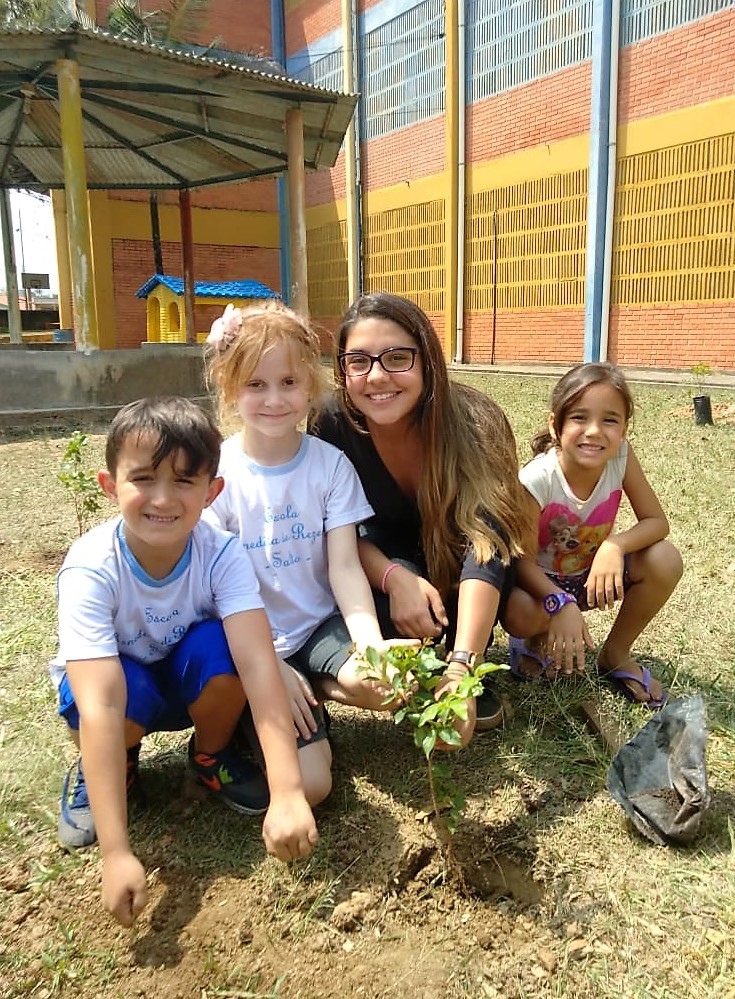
column 180, row 425
column 571, row 387
column 404, row 312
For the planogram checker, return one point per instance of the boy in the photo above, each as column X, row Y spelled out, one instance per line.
column 161, row 627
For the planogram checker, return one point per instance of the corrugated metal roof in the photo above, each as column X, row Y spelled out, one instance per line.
column 156, row 115
column 209, row 289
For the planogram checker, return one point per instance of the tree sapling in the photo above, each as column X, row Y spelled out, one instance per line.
column 412, row 676
column 80, row 483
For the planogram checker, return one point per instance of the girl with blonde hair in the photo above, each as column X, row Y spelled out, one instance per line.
column 295, row 502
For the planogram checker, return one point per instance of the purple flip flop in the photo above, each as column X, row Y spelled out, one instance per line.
column 617, row 680
column 518, row 649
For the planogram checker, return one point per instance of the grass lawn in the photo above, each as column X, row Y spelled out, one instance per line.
column 566, row 899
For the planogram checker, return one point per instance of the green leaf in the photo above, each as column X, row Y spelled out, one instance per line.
column 428, row 743
column 430, row 712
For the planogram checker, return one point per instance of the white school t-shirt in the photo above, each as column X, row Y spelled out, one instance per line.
column 109, row 605
column 282, row 514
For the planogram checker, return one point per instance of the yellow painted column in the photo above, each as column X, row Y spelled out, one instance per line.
column 297, row 221
column 451, row 146
column 104, row 283
column 75, row 183
column 66, row 311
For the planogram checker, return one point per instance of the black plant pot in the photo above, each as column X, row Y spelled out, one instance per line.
column 702, row 410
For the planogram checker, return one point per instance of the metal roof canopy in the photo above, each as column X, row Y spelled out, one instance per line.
column 155, row 115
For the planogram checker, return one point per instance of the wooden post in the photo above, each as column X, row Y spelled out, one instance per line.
column 297, row 199
column 75, row 185
column 187, row 255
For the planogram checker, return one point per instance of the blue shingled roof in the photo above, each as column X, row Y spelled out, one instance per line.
column 209, row 289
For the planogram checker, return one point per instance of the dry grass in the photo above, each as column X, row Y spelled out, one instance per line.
column 570, row 902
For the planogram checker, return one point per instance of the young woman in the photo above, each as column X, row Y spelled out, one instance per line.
column 438, row 463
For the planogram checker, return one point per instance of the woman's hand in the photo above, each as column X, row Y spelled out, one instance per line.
column 416, row 607
column 301, row 699
column 605, row 580
column 449, row 682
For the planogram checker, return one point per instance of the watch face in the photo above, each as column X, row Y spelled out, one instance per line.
column 555, row 601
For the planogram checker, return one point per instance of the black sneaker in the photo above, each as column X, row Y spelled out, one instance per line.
column 76, row 825
column 240, row 784
column 488, row 706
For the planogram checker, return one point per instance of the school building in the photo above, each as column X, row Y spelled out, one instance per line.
column 551, row 180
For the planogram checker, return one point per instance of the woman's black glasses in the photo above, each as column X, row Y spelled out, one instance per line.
column 357, row 363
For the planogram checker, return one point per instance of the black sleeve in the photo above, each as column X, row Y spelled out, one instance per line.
column 493, row 572
column 396, row 526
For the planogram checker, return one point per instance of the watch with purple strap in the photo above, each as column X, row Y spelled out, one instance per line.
column 554, row 602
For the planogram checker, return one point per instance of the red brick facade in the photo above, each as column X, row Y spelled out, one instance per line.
column 687, row 67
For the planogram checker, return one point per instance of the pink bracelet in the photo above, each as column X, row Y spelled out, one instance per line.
column 388, row 571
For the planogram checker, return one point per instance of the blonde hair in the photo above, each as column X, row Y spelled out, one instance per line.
column 261, row 329
column 469, row 492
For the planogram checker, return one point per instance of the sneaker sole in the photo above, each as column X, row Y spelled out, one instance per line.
column 241, row 809
column 221, row 796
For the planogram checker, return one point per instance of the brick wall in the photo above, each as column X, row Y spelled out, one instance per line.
column 543, row 111
column 543, row 335
column 664, row 337
column 691, row 65
column 133, row 265
column 310, row 21
column 242, row 25
column 678, row 336
column 397, row 158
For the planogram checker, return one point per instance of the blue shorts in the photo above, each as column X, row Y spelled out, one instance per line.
column 577, row 585
column 159, row 693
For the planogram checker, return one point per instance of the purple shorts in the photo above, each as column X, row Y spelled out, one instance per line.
column 577, row 585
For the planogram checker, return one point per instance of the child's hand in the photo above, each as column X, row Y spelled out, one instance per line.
column 124, row 888
column 566, row 640
column 385, row 687
column 605, row 580
column 300, row 698
column 416, row 607
column 289, row 829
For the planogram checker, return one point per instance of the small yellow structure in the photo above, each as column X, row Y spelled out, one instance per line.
column 165, row 305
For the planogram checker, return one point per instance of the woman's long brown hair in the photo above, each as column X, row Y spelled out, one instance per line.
column 470, row 470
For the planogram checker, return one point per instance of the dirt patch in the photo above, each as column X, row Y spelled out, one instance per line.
column 722, row 412
column 406, row 930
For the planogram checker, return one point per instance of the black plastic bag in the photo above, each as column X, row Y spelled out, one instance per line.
column 660, row 776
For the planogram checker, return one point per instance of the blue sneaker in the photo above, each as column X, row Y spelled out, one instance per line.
column 239, row 783
column 76, row 825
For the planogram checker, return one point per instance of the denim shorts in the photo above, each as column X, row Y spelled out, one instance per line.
column 577, row 585
column 158, row 694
